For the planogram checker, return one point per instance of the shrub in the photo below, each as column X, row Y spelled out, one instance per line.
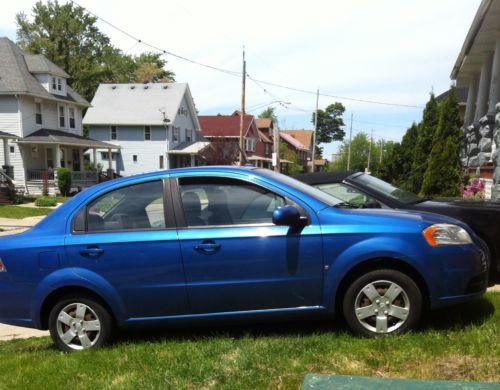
column 64, row 180
column 474, row 189
column 45, row 202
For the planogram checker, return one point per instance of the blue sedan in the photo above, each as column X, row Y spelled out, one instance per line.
column 222, row 242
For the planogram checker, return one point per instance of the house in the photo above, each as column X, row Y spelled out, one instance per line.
column 265, row 143
column 155, row 126
column 40, row 122
column 225, row 129
column 477, row 68
column 297, row 147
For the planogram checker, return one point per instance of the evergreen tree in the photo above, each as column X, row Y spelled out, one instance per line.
column 443, row 174
column 391, row 168
column 426, row 131
column 407, row 156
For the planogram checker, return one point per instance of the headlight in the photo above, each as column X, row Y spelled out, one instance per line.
column 446, row 234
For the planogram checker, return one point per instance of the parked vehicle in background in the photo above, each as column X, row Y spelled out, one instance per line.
column 365, row 191
column 222, row 242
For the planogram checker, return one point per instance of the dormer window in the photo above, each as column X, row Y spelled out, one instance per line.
column 147, row 133
column 54, row 83
column 59, row 84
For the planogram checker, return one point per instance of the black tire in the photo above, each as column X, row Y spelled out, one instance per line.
column 71, row 315
column 366, row 308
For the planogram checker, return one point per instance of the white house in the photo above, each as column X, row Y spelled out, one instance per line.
column 40, row 122
column 155, row 125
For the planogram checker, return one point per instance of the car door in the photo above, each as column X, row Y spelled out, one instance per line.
column 235, row 258
column 127, row 237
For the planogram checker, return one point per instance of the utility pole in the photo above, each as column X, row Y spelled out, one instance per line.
column 315, row 129
column 370, row 152
column 381, row 149
column 350, row 140
column 242, row 117
column 276, row 148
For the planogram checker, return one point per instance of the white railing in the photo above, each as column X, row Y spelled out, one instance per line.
column 80, row 178
column 38, row 174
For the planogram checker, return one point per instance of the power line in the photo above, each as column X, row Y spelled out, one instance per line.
column 239, row 74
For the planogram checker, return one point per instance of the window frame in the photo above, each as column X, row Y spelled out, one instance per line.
column 59, row 117
column 113, row 133
column 176, row 134
column 168, row 211
column 147, row 133
column 38, row 115
column 72, row 125
column 179, row 209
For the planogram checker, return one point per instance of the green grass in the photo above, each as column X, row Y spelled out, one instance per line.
column 461, row 343
column 17, row 212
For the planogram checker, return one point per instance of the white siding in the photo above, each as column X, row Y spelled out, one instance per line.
column 185, row 121
column 45, row 80
column 9, row 115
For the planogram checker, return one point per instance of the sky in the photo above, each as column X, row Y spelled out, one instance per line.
column 390, row 51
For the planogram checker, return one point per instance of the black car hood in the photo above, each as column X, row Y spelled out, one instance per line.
column 430, row 205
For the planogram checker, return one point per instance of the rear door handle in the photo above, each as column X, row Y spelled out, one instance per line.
column 92, row 252
column 207, row 248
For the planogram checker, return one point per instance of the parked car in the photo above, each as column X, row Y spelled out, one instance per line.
column 362, row 190
column 222, row 242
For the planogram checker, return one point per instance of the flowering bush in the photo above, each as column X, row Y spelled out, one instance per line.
column 474, row 189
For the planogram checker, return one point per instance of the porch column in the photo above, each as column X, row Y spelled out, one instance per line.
column 57, row 163
column 94, row 157
column 495, row 77
column 6, row 152
column 470, row 110
column 484, row 86
column 110, row 164
column 193, row 160
column 82, row 167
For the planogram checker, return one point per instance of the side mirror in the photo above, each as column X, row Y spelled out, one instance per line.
column 287, row 216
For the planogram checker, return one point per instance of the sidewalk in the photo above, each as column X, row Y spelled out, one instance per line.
column 14, row 226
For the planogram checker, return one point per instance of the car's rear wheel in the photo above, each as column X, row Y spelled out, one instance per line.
column 382, row 302
column 78, row 323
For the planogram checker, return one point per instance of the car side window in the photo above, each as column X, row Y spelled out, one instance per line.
column 347, row 194
column 219, row 202
column 135, row 207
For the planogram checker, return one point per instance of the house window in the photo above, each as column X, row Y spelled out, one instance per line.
column 12, row 150
column 134, row 158
column 175, row 134
column 59, row 84
column 147, row 133
column 268, row 149
column 161, row 162
column 38, row 113
column 71, row 111
column 249, row 145
column 62, row 116
column 113, row 132
column 182, row 111
column 54, row 83
column 189, row 135
column 105, row 156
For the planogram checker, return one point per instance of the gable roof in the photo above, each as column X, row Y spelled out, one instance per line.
column 16, row 77
column 224, row 125
column 38, row 63
column 264, row 137
column 138, row 104
column 264, row 123
column 293, row 141
column 303, row 136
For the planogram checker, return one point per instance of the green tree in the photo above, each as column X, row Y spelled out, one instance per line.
column 360, row 148
column 407, row 156
column 443, row 174
column 329, row 126
column 68, row 36
column 269, row 113
column 391, row 168
column 423, row 147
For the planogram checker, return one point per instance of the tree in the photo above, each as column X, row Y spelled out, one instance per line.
column 269, row 113
column 391, row 168
column 360, row 147
column 329, row 126
column 423, row 147
column 443, row 174
column 221, row 151
column 68, row 36
column 407, row 156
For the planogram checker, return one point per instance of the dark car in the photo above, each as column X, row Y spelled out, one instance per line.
column 226, row 242
column 361, row 190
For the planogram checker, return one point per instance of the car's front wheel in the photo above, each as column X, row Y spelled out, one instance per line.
column 77, row 323
column 383, row 301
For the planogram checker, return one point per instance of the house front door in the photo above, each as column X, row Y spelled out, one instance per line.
column 75, row 153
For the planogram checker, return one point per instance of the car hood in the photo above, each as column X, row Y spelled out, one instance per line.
column 462, row 203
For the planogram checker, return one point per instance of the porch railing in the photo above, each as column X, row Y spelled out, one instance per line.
column 6, row 181
column 38, row 174
column 78, row 179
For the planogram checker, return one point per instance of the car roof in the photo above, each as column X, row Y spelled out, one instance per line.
column 323, row 177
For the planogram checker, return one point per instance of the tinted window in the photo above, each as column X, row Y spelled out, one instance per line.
column 136, row 207
column 346, row 193
column 215, row 201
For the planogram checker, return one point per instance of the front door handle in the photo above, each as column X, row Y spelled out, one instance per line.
column 207, row 248
column 92, row 252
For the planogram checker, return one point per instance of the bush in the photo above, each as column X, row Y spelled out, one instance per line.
column 64, row 180
column 45, row 202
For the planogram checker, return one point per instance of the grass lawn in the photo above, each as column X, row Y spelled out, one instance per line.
column 17, row 212
column 462, row 343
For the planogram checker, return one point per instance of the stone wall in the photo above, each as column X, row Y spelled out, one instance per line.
column 495, row 193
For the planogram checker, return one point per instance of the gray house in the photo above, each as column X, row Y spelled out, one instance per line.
column 40, row 122
column 155, row 126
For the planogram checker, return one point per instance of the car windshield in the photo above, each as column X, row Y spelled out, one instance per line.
column 387, row 189
column 323, row 197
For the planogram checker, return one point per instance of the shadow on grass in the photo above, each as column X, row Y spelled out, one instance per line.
column 457, row 317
